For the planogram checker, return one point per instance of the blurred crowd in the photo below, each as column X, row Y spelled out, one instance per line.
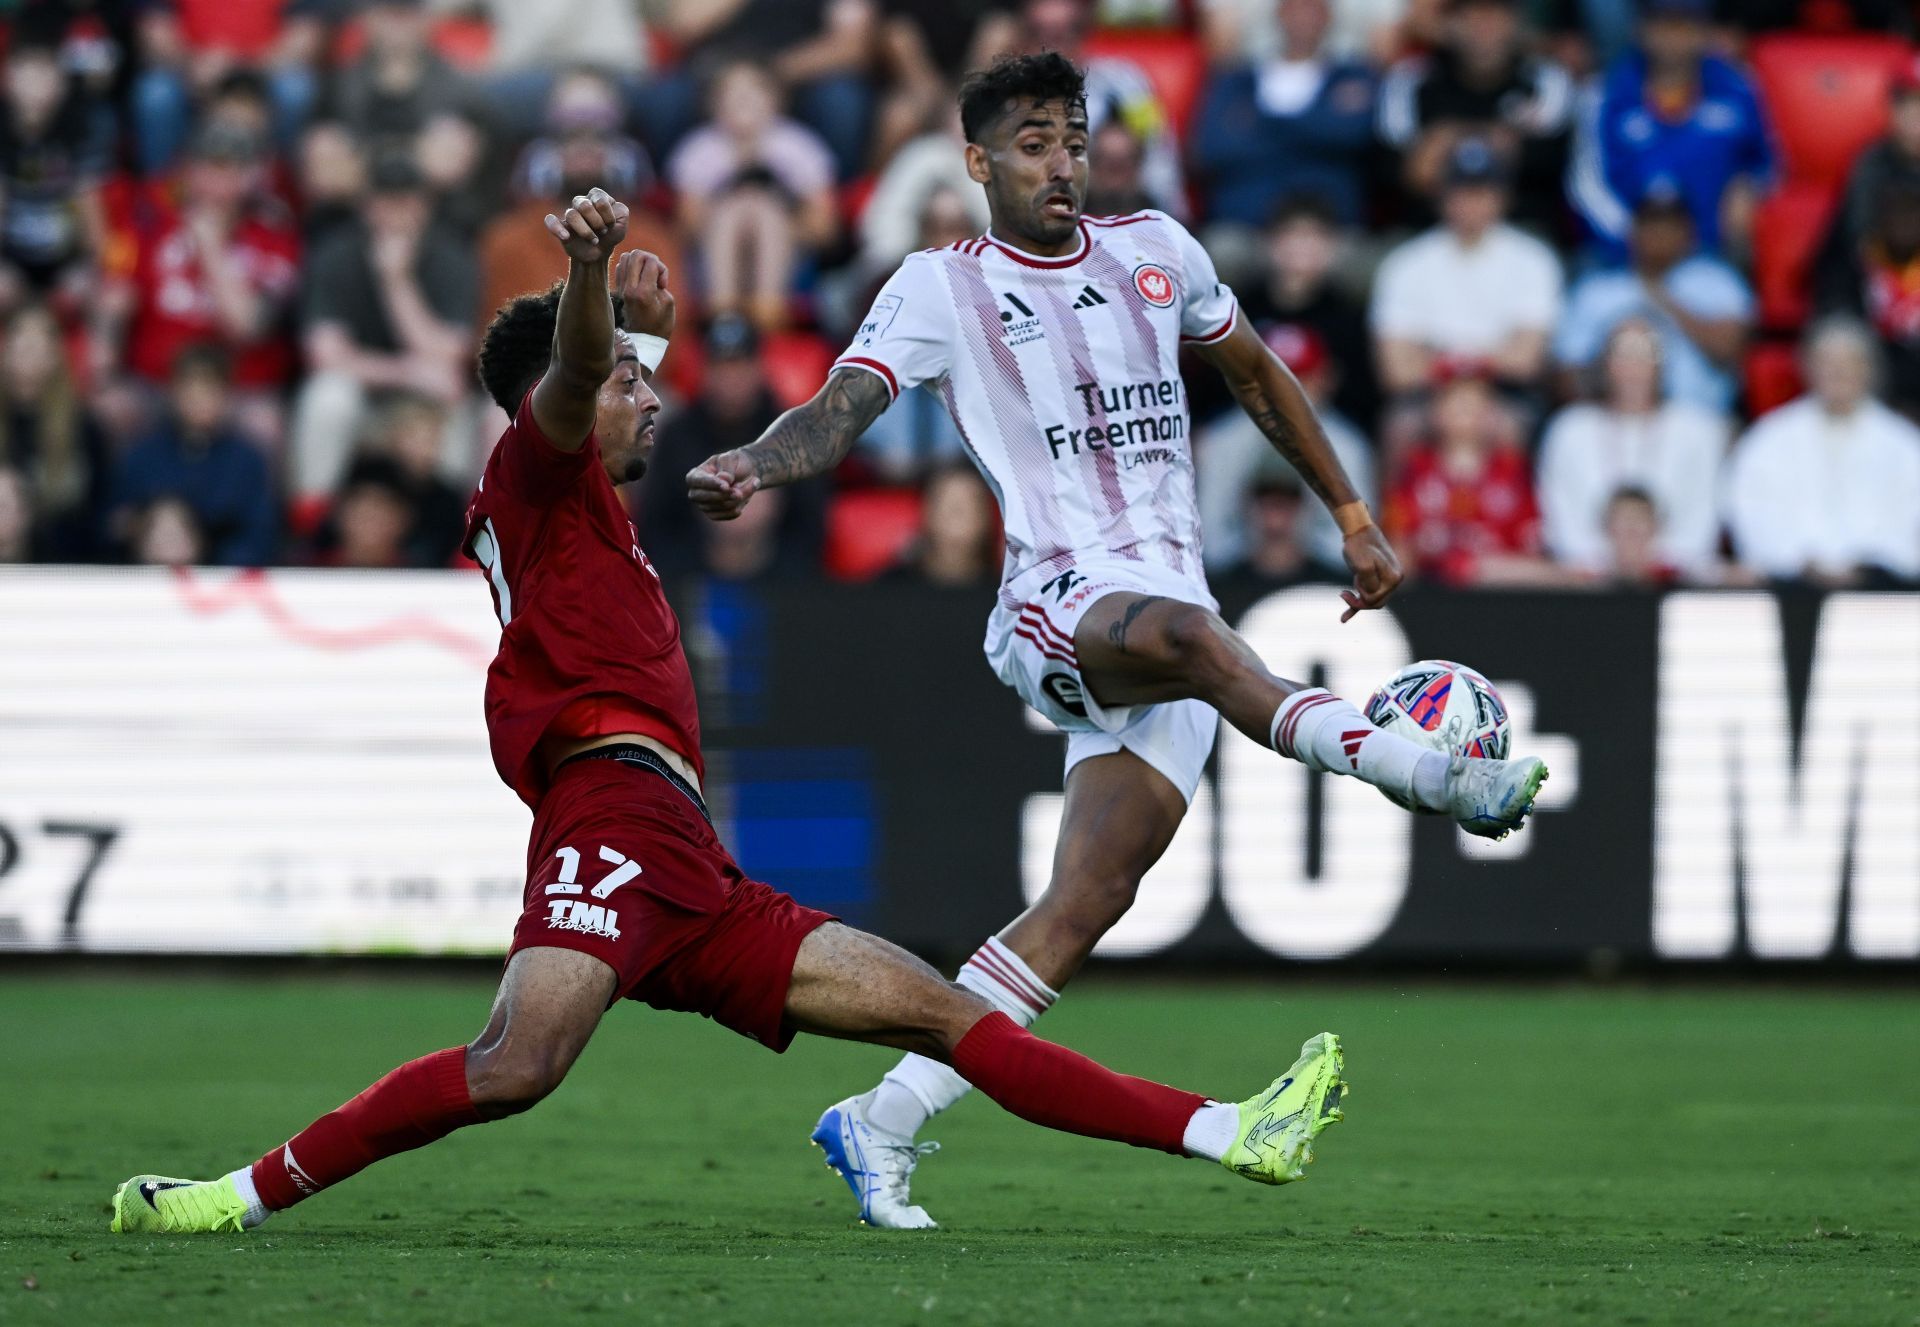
column 1589, row 292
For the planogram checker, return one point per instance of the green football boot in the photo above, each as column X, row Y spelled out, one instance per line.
column 157, row 1205
column 1277, row 1128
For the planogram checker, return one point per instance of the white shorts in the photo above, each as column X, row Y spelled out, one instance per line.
column 1030, row 646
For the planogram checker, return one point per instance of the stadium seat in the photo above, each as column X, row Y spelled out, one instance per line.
column 796, row 363
column 1773, row 376
column 868, row 530
column 1827, row 96
column 1174, row 62
column 1787, row 234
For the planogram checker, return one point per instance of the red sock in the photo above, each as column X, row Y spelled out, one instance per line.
column 1051, row 1085
column 421, row 1101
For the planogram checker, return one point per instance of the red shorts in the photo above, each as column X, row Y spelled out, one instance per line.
column 623, row 866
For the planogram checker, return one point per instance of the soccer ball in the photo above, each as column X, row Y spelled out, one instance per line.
column 1444, row 706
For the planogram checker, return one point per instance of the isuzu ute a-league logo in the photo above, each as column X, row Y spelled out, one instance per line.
column 1154, row 285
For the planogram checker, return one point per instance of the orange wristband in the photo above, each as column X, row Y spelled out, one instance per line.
column 1352, row 517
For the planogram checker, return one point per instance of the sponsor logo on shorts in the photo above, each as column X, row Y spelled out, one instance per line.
column 1064, row 691
column 578, row 915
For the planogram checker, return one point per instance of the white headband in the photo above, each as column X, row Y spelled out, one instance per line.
column 649, row 350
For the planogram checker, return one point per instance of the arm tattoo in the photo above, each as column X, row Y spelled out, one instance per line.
column 1279, row 430
column 812, row 438
column 1117, row 633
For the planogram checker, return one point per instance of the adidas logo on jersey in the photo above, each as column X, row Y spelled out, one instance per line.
column 1088, row 298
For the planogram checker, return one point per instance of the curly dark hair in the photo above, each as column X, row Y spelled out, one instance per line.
column 1048, row 76
column 518, row 343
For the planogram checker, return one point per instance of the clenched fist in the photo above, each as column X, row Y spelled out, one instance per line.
column 592, row 228
column 721, row 485
column 640, row 280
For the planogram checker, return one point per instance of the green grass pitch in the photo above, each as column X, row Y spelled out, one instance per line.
column 1516, row 1154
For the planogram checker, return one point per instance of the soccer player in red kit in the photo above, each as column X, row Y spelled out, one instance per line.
column 591, row 715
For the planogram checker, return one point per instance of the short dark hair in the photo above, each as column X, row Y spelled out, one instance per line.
column 1048, row 76
column 518, row 343
column 1309, row 206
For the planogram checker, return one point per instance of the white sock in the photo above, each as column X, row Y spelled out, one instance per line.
column 916, row 1089
column 256, row 1210
column 1212, row 1130
column 1324, row 732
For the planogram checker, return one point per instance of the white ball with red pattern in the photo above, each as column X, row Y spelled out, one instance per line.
column 1446, row 707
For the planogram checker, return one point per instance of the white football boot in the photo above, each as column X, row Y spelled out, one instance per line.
column 877, row 1166
column 1492, row 798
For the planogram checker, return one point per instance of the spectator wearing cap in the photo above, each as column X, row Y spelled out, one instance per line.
column 389, row 306
column 1701, row 309
column 1671, row 114
column 1297, row 286
column 731, row 409
column 1462, row 508
column 50, row 222
column 215, row 262
column 755, row 196
column 195, row 457
column 1882, row 285
column 1294, row 125
column 1482, row 82
column 1827, row 488
column 1234, row 458
column 585, row 146
column 1635, row 435
column 1471, row 287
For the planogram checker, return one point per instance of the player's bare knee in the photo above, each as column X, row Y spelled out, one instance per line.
column 506, row 1081
column 1197, row 641
column 1091, row 900
column 951, row 1021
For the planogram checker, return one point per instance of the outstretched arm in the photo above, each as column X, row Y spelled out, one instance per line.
column 583, row 350
column 1272, row 398
column 808, row 440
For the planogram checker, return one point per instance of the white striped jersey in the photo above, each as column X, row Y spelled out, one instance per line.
column 1063, row 377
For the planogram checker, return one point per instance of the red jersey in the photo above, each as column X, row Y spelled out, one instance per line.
column 1447, row 521
column 587, row 640
column 175, row 307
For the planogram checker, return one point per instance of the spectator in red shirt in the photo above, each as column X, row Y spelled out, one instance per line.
column 1462, row 510
column 218, row 263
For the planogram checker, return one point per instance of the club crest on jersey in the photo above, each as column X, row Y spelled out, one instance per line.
column 1154, row 285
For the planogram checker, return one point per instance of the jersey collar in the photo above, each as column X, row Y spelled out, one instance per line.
column 1026, row 259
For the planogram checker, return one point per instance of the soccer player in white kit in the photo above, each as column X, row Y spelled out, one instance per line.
column 1054, row 340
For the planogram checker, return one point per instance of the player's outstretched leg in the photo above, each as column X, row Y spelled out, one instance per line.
column 1137, row 649
column 856, row 986
column 549, row 1003
column 1120, row 815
